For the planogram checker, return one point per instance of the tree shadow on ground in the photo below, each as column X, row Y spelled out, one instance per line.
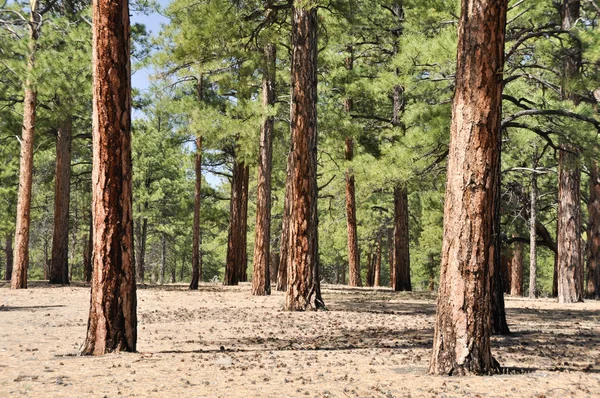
column 29, row 307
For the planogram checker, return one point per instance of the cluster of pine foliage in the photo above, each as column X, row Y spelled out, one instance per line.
column 386, row 73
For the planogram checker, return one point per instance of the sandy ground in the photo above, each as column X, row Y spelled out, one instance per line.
column 223, row 342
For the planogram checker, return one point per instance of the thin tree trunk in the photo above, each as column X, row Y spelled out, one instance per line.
column 463, row 321
column 8, row 247
column 593, row 263
column 569, row 264
column 234, row 242
column 377, row 272
column 516, row 271
column 163, row 259
column 532, row 232
column 112, row 324
column 261, row 277
column 181, row 272
column 391, row 256
column 196, row 254
column 369, row 276
column 498, row 315
column 62, row 192
column 21, row 249
column 244, row 222
column 353, row 253
column 303, row 290
column 431, row 273
column 285, row 230
column 401, row 281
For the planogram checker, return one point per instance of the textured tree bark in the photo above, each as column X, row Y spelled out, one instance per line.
column 377, row 272
column 505, row 264
column 8, row 247
column 431, row 272
column 463, row 321
column 593, row 263
column 87, row 258
column 401, row 280
column 499, row 324
column 369, row 276
column 391, row 250
column 516, row 271
column 243, row 272
column 112, row 324
column 59, row 273
column 353, row 253
column 303, row 289
column 233, row 266
column 568, row 239
column 163, row 258
column 142, row 228
column 261, row 277
column 21, row 249
column 569, row 264
column 196, row 255
column 532, row 232
column 285, row 230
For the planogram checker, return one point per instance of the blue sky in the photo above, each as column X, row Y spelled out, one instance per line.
column 153, row 24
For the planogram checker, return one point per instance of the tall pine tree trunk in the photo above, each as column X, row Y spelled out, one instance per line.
column 401, row 280
column 112, row 324
column 233, row 265
column 142, row 227
column 243, row 272
column 353, row 254
column 499, row 324
column 516, row 270
column 261, row 277
column 285, row 230
column 21, row 249
column 568, row 239
column 463, row 321
column 377, row 271
column 303, row 289
column 593, row 263
column 8, row 247
column 569, row 264
column 196, row 255
column 532, row 231
column 59, row 270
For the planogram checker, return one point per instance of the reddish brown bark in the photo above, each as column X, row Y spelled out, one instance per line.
column 516, row 270
column 431, row 272
column 593, row 263
column 243, row 272
column 369, row 276
column 21, row 249
column 285, row 230
column 353, row 254
column 401, row 280
column 505, row 263
column 233, row 267
column 87, row 258
column 377, row 270
column 142, row 236
column 463, row 321
column 196, row 255
column 59, row 269
column 112, row 324
column 261, row 276
column 8, row 248
column 568, row 240
column 303, row 289
column 532, row 230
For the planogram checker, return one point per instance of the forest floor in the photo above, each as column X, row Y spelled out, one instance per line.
column 223, row 342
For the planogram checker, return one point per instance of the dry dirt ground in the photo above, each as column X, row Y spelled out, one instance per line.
column 223, row 342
